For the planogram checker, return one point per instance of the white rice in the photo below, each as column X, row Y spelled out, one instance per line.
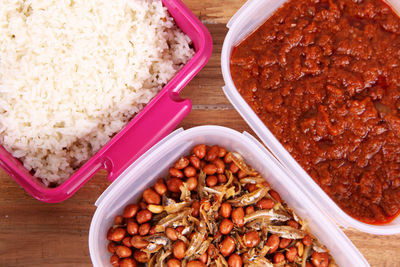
column 74, row 72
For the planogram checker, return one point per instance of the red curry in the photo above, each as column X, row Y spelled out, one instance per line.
column 324, row 76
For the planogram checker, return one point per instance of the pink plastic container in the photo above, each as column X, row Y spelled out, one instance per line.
column 153, row 123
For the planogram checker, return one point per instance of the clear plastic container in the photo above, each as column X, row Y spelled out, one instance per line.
column 156, row 120
column 155, row 163
column 252, row 14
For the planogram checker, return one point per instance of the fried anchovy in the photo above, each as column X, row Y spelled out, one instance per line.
column 269, row 215
column 239, row 161
column 170, row 219
column 159, row 239
column 285, row 231
column 249, row 198
column 252, row 180
column 176, row 207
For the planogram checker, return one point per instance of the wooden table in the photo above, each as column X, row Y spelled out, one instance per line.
column 38, row 234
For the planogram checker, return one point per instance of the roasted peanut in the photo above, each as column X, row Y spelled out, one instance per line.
column 118, row 234
column 226, row 226
column 249, row 210
column 211, row 180
column 212, row 153
column 196, row 208
column 216, row 215
column 119, row 220
column 200, row 151
column 112, row 247
column 238, row 216
column 179, row 249
column 160, row 187
column 123, row 252
column 279, row 257
column 275, row 195
column 233, row 168
column 203, row 258
column 284, row 243
column 191, row 183
column 251, row 187
column 155, row 208
column 273, row 243
column 221, row 152
column 138, row 242
column 307, row 241
column 109, row 233
column 265, row 203
column 195, row 264
column 127, row 262
column 173, row 263
column 210, row 169
column 140, row 256
column 127, row 242
column 174, row 184
column 222, row 178
column 190, row 171
column 130, row 211
column 142, row 205
column 228, row 158
column 195, row 161
column 171, row 233
column 114, row 260
column 153, row 230
column 220, row 165
column 227, row 246
column 225, row 210
column 241, row 174
column 202, row 164
column 251, row 239
column 143, row 216
column 291, row 254
column 132, row 228
column 181, row 163
column 176, row 173
column 144, row 229
column 300, row 248
column 151, row 196
column 293, row 224
column 235, row 261
column 320, row 259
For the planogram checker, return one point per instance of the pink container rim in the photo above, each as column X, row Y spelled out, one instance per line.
column 154, row 122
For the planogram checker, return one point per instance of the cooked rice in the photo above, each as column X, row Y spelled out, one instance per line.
column 74, row 72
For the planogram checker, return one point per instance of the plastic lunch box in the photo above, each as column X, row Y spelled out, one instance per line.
column 156, row 162
column 252, row 14
column 155, row 121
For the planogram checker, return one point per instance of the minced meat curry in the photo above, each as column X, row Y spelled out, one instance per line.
column 324, row 76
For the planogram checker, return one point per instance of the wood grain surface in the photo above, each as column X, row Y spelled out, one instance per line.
column 33, row 233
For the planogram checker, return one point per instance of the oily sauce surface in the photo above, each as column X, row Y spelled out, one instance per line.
column 324, row 76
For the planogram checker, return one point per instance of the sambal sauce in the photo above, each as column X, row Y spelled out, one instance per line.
column 324, row 77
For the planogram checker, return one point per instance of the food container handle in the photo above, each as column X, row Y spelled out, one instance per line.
column 132, row 166
column 153, row 125
column 240, row 12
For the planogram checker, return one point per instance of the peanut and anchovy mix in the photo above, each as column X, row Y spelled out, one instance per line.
column 213, row 210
